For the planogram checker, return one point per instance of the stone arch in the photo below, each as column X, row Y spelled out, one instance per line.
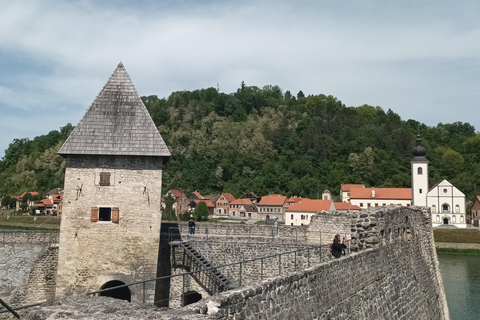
column 119, row 293
column 190, row 297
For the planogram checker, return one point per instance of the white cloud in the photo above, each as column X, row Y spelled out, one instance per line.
column 413, row 57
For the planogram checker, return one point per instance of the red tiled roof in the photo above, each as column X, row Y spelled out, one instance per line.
column 310, row 205
column 241, row 201
column 294, row 200
column 381, row 193
column 198, row 195
column 347, row 187
column 478, row 198
column 176, row 193
column 46, row 202
column 229, row 197
column 23, row 194
column 345, row 206
column 208, row 202
column 273, row 200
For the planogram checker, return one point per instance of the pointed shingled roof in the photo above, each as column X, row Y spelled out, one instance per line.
column 117, row 123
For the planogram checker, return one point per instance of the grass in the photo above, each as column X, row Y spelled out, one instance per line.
column 457, row 236
column 29, row 222
column 470, row 252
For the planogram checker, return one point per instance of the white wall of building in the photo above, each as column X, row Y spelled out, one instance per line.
column 447, row 205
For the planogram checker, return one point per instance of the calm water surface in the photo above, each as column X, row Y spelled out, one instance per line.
column 461, row 279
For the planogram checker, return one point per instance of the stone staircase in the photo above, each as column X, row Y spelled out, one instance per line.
column 211, row 280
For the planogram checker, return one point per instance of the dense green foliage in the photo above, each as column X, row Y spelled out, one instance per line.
column 266, row 141
column 33, row 165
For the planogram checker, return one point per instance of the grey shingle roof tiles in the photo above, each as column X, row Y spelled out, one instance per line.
column 117, row 123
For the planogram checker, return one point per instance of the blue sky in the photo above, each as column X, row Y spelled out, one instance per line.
column 419, row 58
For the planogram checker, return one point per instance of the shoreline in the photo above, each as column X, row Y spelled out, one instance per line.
column 450, row 245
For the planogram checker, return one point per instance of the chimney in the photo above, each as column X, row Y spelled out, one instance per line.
column 373, row 192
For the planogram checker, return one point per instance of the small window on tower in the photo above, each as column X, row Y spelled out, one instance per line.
column 420, row 171
column 420, row 191
column 104, row 178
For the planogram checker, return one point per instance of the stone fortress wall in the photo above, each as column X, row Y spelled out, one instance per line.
column 391, row 273
column 28, row 265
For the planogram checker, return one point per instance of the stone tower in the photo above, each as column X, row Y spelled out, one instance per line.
column 419, row 174
column 110, row 227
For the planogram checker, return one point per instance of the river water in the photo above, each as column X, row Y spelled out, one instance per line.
column 461, row 279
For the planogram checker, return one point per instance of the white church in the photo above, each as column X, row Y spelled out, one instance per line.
column 446, row 202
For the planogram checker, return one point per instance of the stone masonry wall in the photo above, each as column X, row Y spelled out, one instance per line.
column 393, row 274
column 94, row 253
column 245, row 232
column 28, row 263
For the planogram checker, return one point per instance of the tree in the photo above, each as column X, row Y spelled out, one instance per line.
column 6, row 201
column 300, row 94
column 201, row 210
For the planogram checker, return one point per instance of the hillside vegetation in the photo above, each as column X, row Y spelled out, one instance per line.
column 266, row 141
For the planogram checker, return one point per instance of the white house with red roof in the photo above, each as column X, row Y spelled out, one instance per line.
column 221, row 205
column 30, row 203
column 300, row 213
column 271, row 207
column 193, row 203
column 378, row 197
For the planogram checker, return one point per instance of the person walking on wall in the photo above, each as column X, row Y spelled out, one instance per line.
column 338, row 247
column 191, row 225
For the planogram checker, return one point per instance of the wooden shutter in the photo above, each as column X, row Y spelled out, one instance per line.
column 115, row 215
column 104, row 178
column 94, row 214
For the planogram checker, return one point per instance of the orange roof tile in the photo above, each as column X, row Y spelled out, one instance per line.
column 381, row 193
column 478, row 198
column 347, row 187
column 273, row 200
column 294, row 199
column 198, row 195
column 176, row 193
column 346, row 206
column 241, row 201
column 229, row 197
column 208, row 202
column 310, row 205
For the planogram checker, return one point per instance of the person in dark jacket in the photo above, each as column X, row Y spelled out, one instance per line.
column 191, row 225
column 338, row 247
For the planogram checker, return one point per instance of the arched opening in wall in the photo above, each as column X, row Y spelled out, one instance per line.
column 457, row 208
column 445, row 207
column 190, row 297
column 420, row 170
column 445, row 220
column 119, row 293
column 267, row 217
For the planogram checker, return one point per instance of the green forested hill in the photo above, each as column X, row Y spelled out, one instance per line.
column 264, row 140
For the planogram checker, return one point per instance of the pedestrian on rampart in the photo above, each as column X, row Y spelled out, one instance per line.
column 191, row 225
column 338, row 247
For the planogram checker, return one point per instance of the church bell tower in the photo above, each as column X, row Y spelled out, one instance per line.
column 419, row 174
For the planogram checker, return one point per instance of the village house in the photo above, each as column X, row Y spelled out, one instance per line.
column 56, row 196
column 221, row 205
column 44, row 207
column 235, row 205
column 181, row 201
column 249, row 211
column 196, row 196
column 300, row 213
column 271, row 207
column 476, row 212
column 252, row 196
